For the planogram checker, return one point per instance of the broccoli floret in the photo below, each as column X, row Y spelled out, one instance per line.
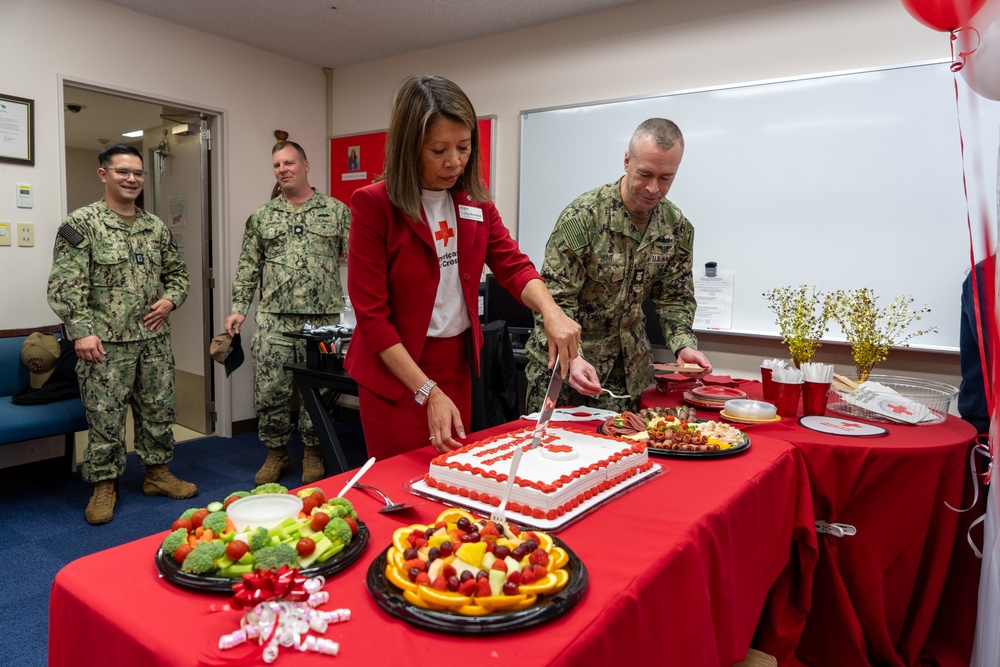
column 259, row 538
column 343, row 507
column 215, row 521
column 188, row 512
column 202, row 557
column 268, row 558
column 174, row 540
column 270, row 487
column 338, row 531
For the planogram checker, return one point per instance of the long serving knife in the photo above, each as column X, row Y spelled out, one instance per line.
column 551, row 396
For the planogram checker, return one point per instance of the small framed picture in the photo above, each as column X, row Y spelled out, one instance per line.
column 17, row 130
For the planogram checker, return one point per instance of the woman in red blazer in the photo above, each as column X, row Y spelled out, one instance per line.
column 419, row 240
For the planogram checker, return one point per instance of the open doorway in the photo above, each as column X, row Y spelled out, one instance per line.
column 175, row 144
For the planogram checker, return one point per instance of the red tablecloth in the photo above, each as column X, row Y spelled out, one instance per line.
column 880, row 597
column 683, row 566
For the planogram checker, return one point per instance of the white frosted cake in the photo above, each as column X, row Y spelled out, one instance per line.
column 567, row 469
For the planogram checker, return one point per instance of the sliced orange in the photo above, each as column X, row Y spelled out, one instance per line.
column 525, row 603
column 394, row 557
column 562, row 578
column 544, row 541
column 445, row 599
column 557, row 558
column 453, row 514
column 500, row 602
column 415, row 600
column 473, row 610
column 396, row 577
column 543, row 586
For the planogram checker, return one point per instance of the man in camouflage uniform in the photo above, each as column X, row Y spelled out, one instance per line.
column 109, row 263
column 291, row 248
column 611, row 249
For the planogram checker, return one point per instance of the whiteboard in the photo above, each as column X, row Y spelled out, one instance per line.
column 841, row 180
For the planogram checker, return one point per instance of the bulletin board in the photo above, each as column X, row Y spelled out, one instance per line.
column 356, row 159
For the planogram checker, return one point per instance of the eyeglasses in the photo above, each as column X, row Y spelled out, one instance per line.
column 124, row 173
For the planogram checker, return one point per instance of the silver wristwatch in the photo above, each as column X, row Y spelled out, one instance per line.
column 421, row 395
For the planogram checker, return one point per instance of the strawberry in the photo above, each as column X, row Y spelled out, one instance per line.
column 514, row 576
column 490, row 530
column 514, row 530
column 415, row 562
column 423, row 579
column 440, row 583
column 467, row 587
column 499, row 565
column 483, row 588
column 448, row 571
column 540, row 571
column 528, row 575
column 539, row 557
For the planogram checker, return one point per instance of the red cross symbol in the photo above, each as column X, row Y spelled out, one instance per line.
column 444, row 233
column 899, row 409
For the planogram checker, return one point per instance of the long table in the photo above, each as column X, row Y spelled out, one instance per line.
column 903, row 588
column 687, row 568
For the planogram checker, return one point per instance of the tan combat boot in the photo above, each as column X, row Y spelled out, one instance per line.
column 312, row 465
column 101, row 508
column 161, row 482
column 274, row 467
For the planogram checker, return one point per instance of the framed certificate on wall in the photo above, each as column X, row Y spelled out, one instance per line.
column 17, row 130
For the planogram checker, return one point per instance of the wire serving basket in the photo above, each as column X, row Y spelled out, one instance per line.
column 894, row 399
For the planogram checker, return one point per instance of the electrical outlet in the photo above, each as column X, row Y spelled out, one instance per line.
column 4, row 233
column 25, row 234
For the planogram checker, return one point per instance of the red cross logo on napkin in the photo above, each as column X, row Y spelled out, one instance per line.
column 444, row 232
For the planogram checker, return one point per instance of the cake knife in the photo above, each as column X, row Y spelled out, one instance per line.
column 548, row 405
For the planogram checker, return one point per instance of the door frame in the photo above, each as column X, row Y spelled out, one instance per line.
column 221, row 394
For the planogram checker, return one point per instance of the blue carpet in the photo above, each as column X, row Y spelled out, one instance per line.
column 43, row 527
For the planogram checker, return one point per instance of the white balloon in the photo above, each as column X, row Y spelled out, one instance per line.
column 982, row 66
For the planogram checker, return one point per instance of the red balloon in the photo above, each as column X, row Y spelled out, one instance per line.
column 943, row 15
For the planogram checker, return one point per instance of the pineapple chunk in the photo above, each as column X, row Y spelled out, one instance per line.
column 472, row 553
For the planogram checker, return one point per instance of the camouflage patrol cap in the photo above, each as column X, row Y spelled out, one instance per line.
column 40, row 352
column 228, row 351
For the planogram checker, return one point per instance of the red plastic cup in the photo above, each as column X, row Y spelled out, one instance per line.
column 787, row 397
column 814, row 397
column 768, row 384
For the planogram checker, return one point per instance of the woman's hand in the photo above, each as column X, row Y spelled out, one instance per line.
column 443, row 419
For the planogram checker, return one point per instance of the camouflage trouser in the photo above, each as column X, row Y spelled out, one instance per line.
column 140, row 374
column 272, row 384
column 538, row 375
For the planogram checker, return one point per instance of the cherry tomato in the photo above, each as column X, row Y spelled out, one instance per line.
column 230, row 500
column 309, row 504
column 319, row 520
column 182, row 523
column 182, row 552
column 353, row 525
column 236, row 549
column 305, row 546
column 320, row 498
column 198, row 517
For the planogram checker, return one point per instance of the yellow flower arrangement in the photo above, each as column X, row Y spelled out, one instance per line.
column 872, row 330
column 802, row 318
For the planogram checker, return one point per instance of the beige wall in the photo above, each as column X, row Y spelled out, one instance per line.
column 648, row 49
column 82, row 184
column 96, row 44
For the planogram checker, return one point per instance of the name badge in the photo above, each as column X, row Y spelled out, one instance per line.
column 139, row 259
column 470, row 212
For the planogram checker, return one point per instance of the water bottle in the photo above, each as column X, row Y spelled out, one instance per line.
column 347, row 315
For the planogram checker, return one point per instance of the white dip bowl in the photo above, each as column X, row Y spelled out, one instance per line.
column 263, row 510
column 745, row 408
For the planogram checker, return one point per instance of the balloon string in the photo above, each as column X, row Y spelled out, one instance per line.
column 987, row 385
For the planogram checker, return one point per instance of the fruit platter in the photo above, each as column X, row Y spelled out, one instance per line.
column 463, row 574
column 676, row 432
column 207, row 552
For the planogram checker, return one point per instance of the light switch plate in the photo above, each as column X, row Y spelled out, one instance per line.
column 25, row 234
